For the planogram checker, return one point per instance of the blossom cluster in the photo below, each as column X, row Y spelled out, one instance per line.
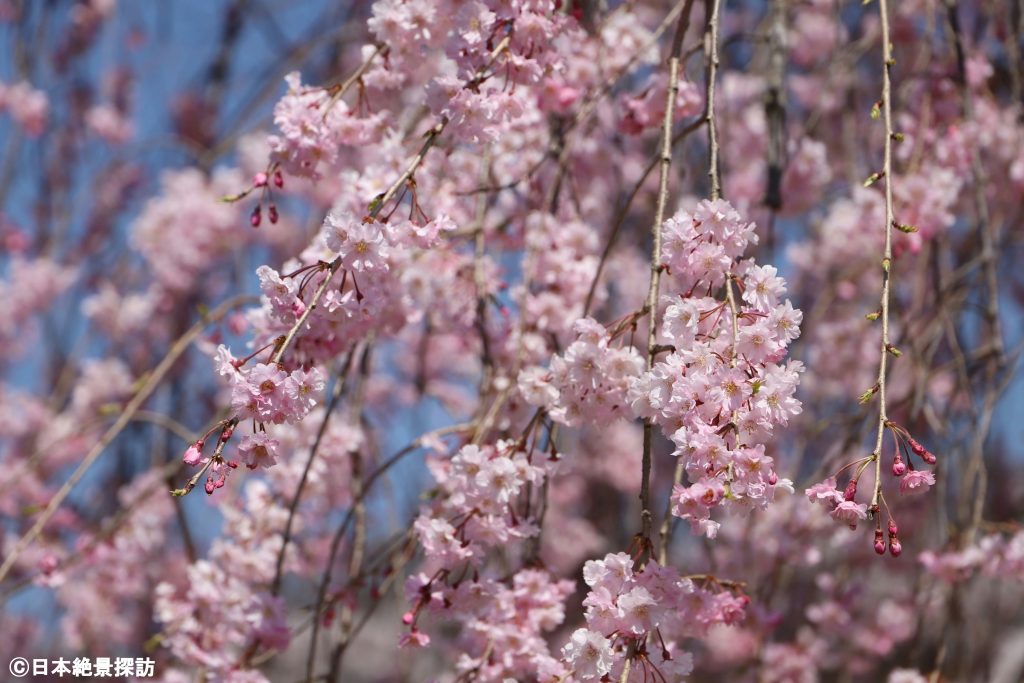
column 843, row 505
column 625, row 607
column 994, row 555
column 586, row 384
column 28, row 106
column 482, row 506
column 313, row 125
column 722, row 388
column 480, row 509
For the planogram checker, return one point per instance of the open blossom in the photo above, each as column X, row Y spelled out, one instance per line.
column 825, row 492
column 258, row 450
column 589, row 654
column 360, row 244
column 850, row 512
column 916, row 481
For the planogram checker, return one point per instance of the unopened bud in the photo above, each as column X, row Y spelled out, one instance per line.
column 278, row 179
column 773, row 479
column 916, row 447
column 893, row 529
column 272, row 213
column 899, row 468
column 851, row 490
column 879, row 543
column 209, row 487
column 408, row 618
column 259, row 180
column 895, row 547
column 256, row 217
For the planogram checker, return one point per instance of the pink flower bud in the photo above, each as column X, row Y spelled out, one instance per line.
column 899, row 468
column 272, row 213
column 916, row 447
column 194, row 454
column 893, row 529
column 895, row 547
column 928, row 457
column 278, row 179
column 851, row 490
column 259, row 180
column 48, row 564
column 879, row 543
column 408, row 618
column 209, row 487
column 256, row 217
column 773, row 479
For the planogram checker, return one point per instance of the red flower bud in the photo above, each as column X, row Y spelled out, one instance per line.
column 256, row 217
column 851, row 490
column 272, row 213
column 893, row 529
column 278, row 179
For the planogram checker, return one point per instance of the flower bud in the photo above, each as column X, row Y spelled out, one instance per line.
column 899, row 468
column 918, row 449
column 256, row 217
column 48, row 565
column 893, row 529
column 895, row 547
column 928, row 457
column 773, row 479
column 194, row 454
column 259, row 180
column 209, row 487
column 851, row 490
column 278, row 179
column 408, row 618
column 879, row 543
column 272, row 213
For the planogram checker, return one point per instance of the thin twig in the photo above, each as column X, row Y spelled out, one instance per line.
column 656, row 267
column 887, row 62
